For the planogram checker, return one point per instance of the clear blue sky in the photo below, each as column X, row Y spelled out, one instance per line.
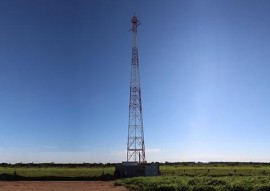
column 65, row 71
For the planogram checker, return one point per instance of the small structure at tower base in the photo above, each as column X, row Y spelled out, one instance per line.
column 134, row 169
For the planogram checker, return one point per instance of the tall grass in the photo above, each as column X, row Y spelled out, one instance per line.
column 180, row 183
column 198, row 170
column 57, row 172
column 204, row 177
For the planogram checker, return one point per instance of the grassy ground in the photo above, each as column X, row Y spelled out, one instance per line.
column 56, row 173
column 178, row 177
column 166, row 170
column 186, row 183
column 204, row 178
column 60, row 172
column 208, row 170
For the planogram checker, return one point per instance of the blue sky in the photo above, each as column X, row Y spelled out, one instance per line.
column 65, row 71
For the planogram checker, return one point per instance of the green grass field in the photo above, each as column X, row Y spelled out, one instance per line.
column 174, row 177
column 204, row 178
column 36, row 172
column 166, row 170
column 208, row 170
column 203, row 183
column 66, row 172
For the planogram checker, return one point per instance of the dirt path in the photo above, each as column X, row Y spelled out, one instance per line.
column 60, row 186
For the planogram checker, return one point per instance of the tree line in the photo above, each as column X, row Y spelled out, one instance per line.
column 90, row 165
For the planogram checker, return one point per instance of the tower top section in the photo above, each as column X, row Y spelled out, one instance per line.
column 135, row 23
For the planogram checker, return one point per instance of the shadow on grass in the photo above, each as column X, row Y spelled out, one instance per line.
column 11, row 177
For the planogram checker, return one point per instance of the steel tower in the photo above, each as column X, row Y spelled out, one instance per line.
column 135, row 145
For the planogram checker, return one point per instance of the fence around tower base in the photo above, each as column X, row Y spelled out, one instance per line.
column 133, row 169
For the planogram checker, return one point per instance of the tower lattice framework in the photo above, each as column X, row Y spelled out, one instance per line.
column 135, row 145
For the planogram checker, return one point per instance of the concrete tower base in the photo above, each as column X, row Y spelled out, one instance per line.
column 133, row 169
